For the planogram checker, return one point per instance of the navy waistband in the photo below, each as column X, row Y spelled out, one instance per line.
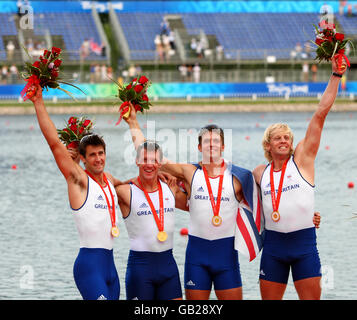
column 101, row 251
column 227, row 243
column 150, row 256
column 304, row 235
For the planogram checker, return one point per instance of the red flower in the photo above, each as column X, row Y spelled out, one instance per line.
column 54, row 74
column 72, row 120
column 143, row 80
column 319, row 41
column 44, row 61
column 137, row 107
column 86, row 123
column 129, row 86
column 57, row 63
column 56, row 51
column 73, row 145
column 73, row 127
column 46, row 54
column 138, row 88
column 339, row 36
column 134, row 80
column 145, row 97
column 36, row 64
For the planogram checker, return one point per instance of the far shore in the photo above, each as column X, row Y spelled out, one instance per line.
column 27, row 108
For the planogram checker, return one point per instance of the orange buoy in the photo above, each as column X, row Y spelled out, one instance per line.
column 351, row 185
column 14, row 167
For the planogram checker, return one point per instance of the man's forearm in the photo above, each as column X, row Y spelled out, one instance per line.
column 329, row 96
column 46, row 125
column 136, row 133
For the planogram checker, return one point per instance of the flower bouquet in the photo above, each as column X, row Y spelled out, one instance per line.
column 330, row 43
column 75, row 130
column 133, row 94
column 44, row 72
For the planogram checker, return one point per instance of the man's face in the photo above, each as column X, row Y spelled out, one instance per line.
column 211, row 147
column 94, row 160
column 149, row 164
column 280, row 143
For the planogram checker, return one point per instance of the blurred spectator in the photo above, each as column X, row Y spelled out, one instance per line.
column 164, row 27
column 166, row 46
column 189, row 73
column 183, row 72
column 159, row 47
column 196, row 73
column 307, row 51
column 92, row 73
column 84, row 50
column 95, row 47
column 103, row 73
column 10, row 48
column 132, row 72
column 305, row 72
column 341, row 7
column 296, row 53
column 4, row 74
column 138, row 69
column 193, row 44
column 97, row 73
column 109, row 73
column 314, row 72
column 219, row 52
column 13, row 74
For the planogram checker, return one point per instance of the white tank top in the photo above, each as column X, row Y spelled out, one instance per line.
column 141, row 225
column 201, row 211
column 296, row 206
column 93, row 219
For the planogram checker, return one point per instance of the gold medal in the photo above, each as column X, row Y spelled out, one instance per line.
column 216, row 221
column 162, row 236
column 275, row 216
column 115, row 231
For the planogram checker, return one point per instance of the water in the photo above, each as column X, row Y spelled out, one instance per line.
column 38, row 237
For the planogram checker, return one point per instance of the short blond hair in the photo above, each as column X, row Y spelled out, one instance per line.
column 267, row 137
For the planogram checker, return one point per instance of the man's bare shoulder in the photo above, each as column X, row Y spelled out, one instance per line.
column 258, row 172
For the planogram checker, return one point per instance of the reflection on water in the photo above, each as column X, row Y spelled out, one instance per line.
column 38, row 237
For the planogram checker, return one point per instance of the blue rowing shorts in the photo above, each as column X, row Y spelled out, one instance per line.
column 296, row 250
column 211, row 261
column 152, row 276
column 95, row 274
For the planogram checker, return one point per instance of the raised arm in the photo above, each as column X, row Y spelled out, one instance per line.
column 135, row 130
column 182, row 171
column 65, row 163
column 306, row 150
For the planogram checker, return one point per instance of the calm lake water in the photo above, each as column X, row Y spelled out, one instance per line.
column 38, row 237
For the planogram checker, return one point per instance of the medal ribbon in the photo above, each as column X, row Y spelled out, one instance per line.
column 276, row 200
column 111, row 209
column 215, row 206
column 159, row 222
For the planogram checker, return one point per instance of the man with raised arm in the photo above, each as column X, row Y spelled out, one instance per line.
column 287, row 187
column 148, row 208
column 93, row 201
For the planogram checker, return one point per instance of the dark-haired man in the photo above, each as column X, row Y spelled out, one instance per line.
column 93, row 200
